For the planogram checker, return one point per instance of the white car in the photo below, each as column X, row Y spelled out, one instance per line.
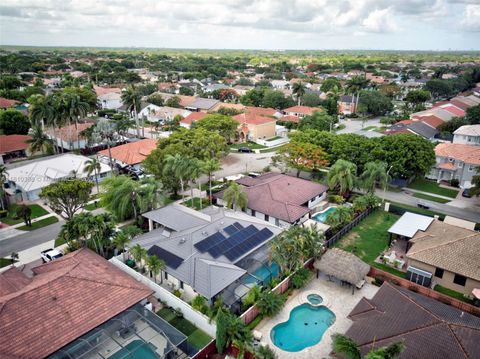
column 50, row 254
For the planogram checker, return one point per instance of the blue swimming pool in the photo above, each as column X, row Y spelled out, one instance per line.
column 265, row 273
column 136, row 349
column 304, row 328
column 322, row 216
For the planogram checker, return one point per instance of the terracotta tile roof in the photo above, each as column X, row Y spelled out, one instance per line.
column 69, row 133
column 7, row 103
column 466, row 153
column 194, row 116
column 12, row 280
column 290, row 118
column 460, row 104
column 446, row 246
column 100, row 91
column 428, row 328
column 264, row 111
column 453, row 109
column 132, row 153
column 10, row 143
column 446, row 166
column 306, row 110
column 404, row 122
column 64, row 300
column 432, row 121
column 253, row 119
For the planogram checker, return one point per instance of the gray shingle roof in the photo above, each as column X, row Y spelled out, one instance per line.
column 423, row 130
column 203, row 104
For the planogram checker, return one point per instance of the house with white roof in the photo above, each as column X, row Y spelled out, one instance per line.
column 467, row 135
column 26, row 181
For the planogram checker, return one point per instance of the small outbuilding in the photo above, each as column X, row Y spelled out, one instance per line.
column 344, row 266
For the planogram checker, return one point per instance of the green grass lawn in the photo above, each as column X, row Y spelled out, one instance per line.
column 417, row 210
column 452, row 293
column 5, row 262
column 252, row 145
column 37, row 211
column 272, row 149
column 422, row 184
column 430, row 198
column 199, row 339
column 196, row 203
column 92, row 206
column 42, row 223
column 389, row 269
column 368, row 128
column 370, row 238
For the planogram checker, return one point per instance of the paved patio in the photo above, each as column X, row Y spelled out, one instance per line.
column 336, row 297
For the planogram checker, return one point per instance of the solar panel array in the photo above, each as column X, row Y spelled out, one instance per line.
column 248, row 244
column 233, row 228
column 209, row 242
column 231, row 241
column 171, row 260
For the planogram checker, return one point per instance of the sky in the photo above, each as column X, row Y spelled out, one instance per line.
column 244, row 24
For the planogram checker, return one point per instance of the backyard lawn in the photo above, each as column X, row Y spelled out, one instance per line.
column 92, row 206
column 422, row 184
column 196, row 203
column 452, row 293
column 37, row 211
column 430, row 198
column 196, row 337
column 370, row 238
column 42, row 223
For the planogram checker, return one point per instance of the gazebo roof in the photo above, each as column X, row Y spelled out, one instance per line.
column 342, row 265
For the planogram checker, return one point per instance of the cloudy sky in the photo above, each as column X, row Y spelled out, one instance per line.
column 244, row 24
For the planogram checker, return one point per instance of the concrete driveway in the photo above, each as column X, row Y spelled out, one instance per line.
column 236, row 163
column 354, row 125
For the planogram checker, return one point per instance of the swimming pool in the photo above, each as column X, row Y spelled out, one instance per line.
column 265, row 273
column 304, row 328
column 136, row 349
column 322, row 216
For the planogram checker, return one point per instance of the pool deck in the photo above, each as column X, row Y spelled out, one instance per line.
column 339, row 299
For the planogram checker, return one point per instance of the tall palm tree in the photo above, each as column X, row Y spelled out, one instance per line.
column 94, row 166
column 155, row 266
column 235, row 197
column 342, row 176
column 354, row 85
column 41, row 110
column 39, row 142
column 210, row 166
column 196, row 171
column 121, row 241
column 347, row 346
column 74, row 109
column 3, row 178
column 131, row 98
column 374, row 174
column 340, row 217
column 178, row 165
column 105, row 131
column 299, row 90
column 139, row 254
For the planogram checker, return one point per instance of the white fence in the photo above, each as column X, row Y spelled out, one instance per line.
column 273, row 143
column 198, row 319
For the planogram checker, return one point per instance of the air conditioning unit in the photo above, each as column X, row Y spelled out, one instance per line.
column 182, row 240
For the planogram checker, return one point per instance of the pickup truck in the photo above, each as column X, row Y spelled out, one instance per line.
column 50, row 254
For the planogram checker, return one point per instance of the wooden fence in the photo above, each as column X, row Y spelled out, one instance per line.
column 405, row 283
column 331, row 239
column 206, row 351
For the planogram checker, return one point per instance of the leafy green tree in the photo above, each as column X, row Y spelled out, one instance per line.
column 330, row 84
column 221, row 334
column 13, row 122
column 224, row 125
column 139, row 254
column 39, row 142
column 318, row 121
column 179, row 166
column 350, row 349
column 234, row 197
column 417, row 97
column 473, row 115
column 67, row 196
column 252, row 296
column 25, row 212
column 200, row 303
column 340, row 217
column 270, row 303
column 13, row 258
column 94, row 166
column 299, row 90
column 311, row 99
column 186, row 91
column 156, row 99
column 301, row 156
column 374, row 103
column 364, row 202
column 173, row 102
column 342, row 176
column 373, row 175
column 3, row 179
column 439, row 88
column 209, row 167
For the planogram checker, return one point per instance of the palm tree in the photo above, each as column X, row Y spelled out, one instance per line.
column 14, row 257
column 299, row 90
column 41, row 110
column 121, row 241
column 74, row 109
column 3, row 178
column 39, row 142
column 270, row 303
column 131, row 98
column 196, row 170
column 178, row 165
column 235, row 197
column 94, row 166
column 342, row 176
column 155, row 266
column 374, row 174
column 209, row 167
column 265, row 352
column 105, row 131
column 347, row 346
column 340, row 217
column 354, row 85
column 139, row 254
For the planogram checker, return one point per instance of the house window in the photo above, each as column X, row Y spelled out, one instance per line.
column 181, row 285
column 460, row 280
column 253, row 212
column 277, row 222
column 471, row 168
column 267, row 218
column 439, row 273
column 166, row 275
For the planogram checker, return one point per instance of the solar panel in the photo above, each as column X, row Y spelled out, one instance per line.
column 233, row 228
column 232, row 241
column 251, row 242
column 209, row 242
column 171, row 260
column 238, row 226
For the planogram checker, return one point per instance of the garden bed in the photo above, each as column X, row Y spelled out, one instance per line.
column 195, row 203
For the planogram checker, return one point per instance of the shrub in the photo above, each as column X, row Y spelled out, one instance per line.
column 300, row 278
column 251, row 297
column 270, row 303
column 413, row 288
column 378, row 281
column 200, row 303
column 334, row 198
column 454, row 182
column 3, row 213
column 177, row 293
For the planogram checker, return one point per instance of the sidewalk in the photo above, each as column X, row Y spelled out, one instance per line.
column 12, row 231
column 406, row 189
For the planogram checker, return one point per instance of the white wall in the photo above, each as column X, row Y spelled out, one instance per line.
column 198, row 319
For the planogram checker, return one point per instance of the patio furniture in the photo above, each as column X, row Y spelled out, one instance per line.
column 257, row 335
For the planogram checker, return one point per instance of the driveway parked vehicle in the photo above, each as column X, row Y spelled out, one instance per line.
column 245, row 150
column 50, row 254
column 466, row 193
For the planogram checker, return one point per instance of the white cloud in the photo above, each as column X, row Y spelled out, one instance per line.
column 380, row 21
column 472, row 17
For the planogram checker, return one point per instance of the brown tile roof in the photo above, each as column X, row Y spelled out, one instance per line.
column 100, row 91
column 466, row 153
column 70, row 133
column 279, row 195
column 263, row 111
column 460, row 104
column 449, row 247
column 290, row 118
column 12, row 280
column 194, row 116
column 428, row 328
column 64, row 300
column 10, row 143
column 253, row 119
column 132, row 153
column 432, row 121
column 7, row 103
column 306, row 110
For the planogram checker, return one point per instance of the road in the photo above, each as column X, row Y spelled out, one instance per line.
column 352, row 126
column 236, row 163
column 29, row 239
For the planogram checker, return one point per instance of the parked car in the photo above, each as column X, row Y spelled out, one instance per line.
column 50, row 254
column 466, row 193
column 245, row 150
column 423, row 205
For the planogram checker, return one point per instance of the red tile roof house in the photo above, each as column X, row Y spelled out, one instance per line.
column 13, row 146
column 455, row 160
column 70, row 137
column 280, row 199
column 256, row 123
column 7, row 103
column 301, row 111
column 130, row 154
column 76, row 304
column 191, row 118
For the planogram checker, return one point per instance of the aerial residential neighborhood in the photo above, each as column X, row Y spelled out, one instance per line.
column 259, row 180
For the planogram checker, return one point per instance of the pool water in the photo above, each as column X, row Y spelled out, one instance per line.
column 136, row 349
column 315, row 299
column 304, row 328
column 322, row 216
column 265, row 273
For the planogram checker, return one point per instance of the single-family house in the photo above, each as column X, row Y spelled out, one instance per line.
column 13, row 147
column 161, row 114
column 214, row 252
column 467, row 135
column 192, row 117
column 280, row 84
column 202, row 104
column 455, row 161
column 347, row 104
column 109, row 97
column 256, row 124
column 80, row 306
column 279, row 199
column 476, row 91
column 242, row 90
column 301, row 111
column 130, row 154
column 375, row 78
column 25, row 182
column 439, row 112
column 7, row 103
column 70, row 137
column 427, row 327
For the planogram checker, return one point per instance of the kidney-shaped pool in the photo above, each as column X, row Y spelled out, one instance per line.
column 304, row 328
